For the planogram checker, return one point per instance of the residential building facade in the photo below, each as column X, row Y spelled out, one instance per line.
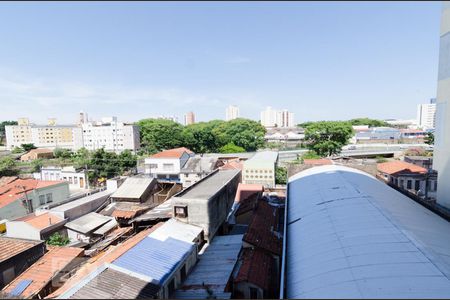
column 260, row 169
column 189, row 118
column 426, row 115
column 231, row 113
column 77, row 179
column 166, row 165
column 277, row 118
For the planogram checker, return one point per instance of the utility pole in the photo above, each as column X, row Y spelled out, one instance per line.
column 28, row 204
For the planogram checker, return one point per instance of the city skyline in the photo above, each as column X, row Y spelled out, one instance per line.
column 55, row 64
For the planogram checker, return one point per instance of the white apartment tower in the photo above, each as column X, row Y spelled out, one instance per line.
column 277, row 118
column 231, row 113
column 285, row 118
column 189, row 118
column 269, row 117
column 426, row 115
column 441, row 160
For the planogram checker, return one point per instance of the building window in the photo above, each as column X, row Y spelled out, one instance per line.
column 49, row 198
column 401, row 183
column 181, row 211
column 435, row 185
column 253, row 293
column 409, row 184
column 41, row 199
column 153, row 166
column 75, row 180
column 168, row 167
column 417, row 185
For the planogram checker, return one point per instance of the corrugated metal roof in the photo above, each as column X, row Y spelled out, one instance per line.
column 351, row 236
column 263, row 157
column 134, row 187
column 10, row 247
column 113, row 284
column 88, row 223
column 155, row 258
column 81, row 201
column 213, row 269
column 177, row 230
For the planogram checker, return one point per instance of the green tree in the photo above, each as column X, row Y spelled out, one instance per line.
column 16, row 150
column 28, row 147
column 127, row 160
column 37, row 165
column 280, row 175
column 57, row 239
column 369, row 122
column 157, row 134
column 2, row 128
column 429, row 139
column 7, row 166
column 81, row 158
column 62, row 153
column 244, row 133
column 204, row 137
column 104, row 164
column 231, row 148
column 327, row 137
column 381, row 159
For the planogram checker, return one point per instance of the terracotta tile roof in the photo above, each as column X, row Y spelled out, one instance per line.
column 41, row 221
column 44, row 270
column 232, row 165
column 11, row 192
column 40, row 150
column 172, row 153
column 263, row 230
column 318, row 162
column 397, row 166
column 7, row 179
column 256, row 268
column 246, row 190
column 10, row 247
column 105, row 257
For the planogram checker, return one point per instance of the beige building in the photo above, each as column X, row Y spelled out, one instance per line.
column 189, row 118
column 260, row 169
column 37, row 154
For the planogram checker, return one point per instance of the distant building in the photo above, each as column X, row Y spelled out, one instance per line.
column 207, row 203
column 37, row 154
column 166, row 165
column 285, row 118
column 189, row 118
column 76, row 179
column 16, row 255
column 269, row 117
column 426, row 115
column 196, row 168
column 260, row 169
column 111, row 135
column 277, row 118
column 20, row 197
column 231, row 113
column 43, row 136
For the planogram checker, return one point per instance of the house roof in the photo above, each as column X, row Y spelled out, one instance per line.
column 88, row 222
column 41, row 221
column 44, row 270
column 172, row 153
column 13, row 191
column 318, row 162
column 40, row 150
column 397, row 166
column 199, row 164
column 134, row 187
column 113, row 284
column 256, row 268
column 246, row 190
column 232, row 165
column 178, row 230
column 264, row 228
column 350, row 235
column 10, row 247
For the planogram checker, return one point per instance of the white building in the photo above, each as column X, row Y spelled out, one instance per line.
column 441, row 160
column 189, row 118
column 277, row 118
column 426, row 115
column 260, row 169
column 76, row 179
column 111, row 135
column 231, row 113
column 167, row 165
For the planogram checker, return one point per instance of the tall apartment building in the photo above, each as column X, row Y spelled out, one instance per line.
column 277, row 118
column 43, row 136
column 441, row 157
column 189, row 118
column 111, row 135
column 426, row 115
column 231, row 113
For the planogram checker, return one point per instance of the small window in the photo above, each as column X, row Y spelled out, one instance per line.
column 417, row 185
column 253, row 293
column 180, row 211
column 49, row 198
column 41, row 199
column 409, row 184
column 75, row 180
column 435, row 185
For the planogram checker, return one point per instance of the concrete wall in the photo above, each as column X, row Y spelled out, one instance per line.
column 22, row 230
column 80, row 210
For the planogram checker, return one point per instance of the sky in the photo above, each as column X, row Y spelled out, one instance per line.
column 135, row 60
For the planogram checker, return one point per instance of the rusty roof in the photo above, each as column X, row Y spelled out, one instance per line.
column 256, row 268
column 44, row 270
column 264, row 228
column 10, row 247
column 172, row 153
column 397, row 166
column 105, row 257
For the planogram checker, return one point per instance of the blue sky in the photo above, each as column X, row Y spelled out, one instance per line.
column 321, row 60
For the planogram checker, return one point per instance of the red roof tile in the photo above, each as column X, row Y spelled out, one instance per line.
column 41, row 221
column 246, row 190
column 318, row 162
column 263, row 230
column 13, row 190
column 10, row 247
column 397, row 166
column 172, row 153
column 44, row 270
column 256, row 268
column 232, row 165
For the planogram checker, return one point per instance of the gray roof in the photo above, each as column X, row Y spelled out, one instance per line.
column 199, row 164
column 134, row 187
column 351, row 236
column 81, row 201
column 162, row 211
column 178, row 230
column 209, row 186
column 88, row 223
column 213, row 269
column 242, row 155
column 113, row 284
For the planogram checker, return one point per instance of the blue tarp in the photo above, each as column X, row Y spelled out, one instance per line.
column 20, row 287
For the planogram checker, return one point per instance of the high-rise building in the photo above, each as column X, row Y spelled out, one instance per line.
column 277, row 118
column 189, row 118
column 231, row 113
column 441, row 157
column 426, row 115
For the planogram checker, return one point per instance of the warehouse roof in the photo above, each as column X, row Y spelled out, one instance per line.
column 351, row 236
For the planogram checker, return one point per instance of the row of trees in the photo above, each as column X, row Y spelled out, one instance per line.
column 355, row 122
column 237, row 135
